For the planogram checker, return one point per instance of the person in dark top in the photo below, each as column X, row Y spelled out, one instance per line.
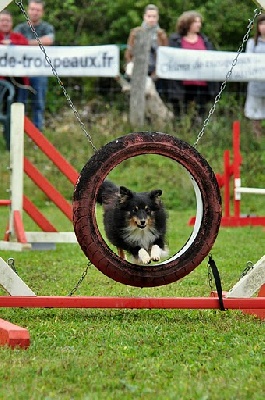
column 187, row 92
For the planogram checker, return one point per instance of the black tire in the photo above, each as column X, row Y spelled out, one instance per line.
column 209, row 209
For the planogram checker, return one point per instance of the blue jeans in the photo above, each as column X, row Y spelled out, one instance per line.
column 40, row 85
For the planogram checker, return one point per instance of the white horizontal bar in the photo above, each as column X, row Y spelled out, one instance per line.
column 249, row 190
column 51, row 237
column 14, row 246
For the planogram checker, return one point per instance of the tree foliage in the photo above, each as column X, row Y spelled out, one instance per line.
column 91, row 22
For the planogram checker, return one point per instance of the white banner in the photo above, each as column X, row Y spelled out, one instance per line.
column 260, row 3
column 66, row 60
column 209, row 65
column 4, row 3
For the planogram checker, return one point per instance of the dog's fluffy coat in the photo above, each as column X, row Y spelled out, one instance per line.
column 134, row 222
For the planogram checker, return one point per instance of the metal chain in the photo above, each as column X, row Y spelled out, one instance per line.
column 20, row 5
column 80, row 280
column 224, row 83
column 11, row 264
column 249, row 267
column 210, row 276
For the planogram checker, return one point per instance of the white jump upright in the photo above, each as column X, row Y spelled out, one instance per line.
column 11, row 282
column 16, row 163
column 16, row 176
column 251, row 282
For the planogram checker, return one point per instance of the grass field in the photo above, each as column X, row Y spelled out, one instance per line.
column 137, row 354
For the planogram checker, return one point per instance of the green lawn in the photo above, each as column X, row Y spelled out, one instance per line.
column 135, row 354
column 128, row 354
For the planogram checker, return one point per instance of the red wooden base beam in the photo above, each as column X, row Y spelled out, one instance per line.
column 13, row 336
column 234, row 221
column 130, row 302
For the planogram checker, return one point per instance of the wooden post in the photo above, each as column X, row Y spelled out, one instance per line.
column 139, row 76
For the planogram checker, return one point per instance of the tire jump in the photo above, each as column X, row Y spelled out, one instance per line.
column 208, row 217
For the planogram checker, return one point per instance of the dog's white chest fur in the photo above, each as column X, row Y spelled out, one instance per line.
column 140, row 237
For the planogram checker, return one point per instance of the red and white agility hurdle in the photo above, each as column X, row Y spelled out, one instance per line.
column 15, row 237
column 15, row 336
column 231, row 165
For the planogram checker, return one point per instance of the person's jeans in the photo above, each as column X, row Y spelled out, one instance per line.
column 39, row 85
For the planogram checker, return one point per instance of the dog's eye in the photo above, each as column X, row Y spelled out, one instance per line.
column 135, row 209
column 146, row 209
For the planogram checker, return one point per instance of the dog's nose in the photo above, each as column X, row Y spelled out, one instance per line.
column 142, row 223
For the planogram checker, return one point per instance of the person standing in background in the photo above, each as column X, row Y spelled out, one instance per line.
column 186, row 92
column 7, row 35
column 158, row 38
column 255, row 101
column 10, row 38
column 46, row 35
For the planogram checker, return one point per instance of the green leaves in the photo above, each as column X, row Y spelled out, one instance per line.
column 84, row 22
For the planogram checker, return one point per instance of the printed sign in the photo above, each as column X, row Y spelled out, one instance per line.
column 206, row 65
column 66, row 60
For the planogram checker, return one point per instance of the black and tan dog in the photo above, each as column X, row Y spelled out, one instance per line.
column 134, row 222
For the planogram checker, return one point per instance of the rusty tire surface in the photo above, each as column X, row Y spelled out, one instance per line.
column 84, row 201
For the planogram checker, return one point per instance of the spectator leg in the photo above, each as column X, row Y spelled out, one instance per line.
column 39, row 84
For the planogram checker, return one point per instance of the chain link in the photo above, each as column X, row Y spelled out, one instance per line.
column 47, row 58
column 11, row 264
column 228, row 75
column 249, row 267
column 80, row 280
column 210, row 276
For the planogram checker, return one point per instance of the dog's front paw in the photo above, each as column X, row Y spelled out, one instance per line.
column 155, row 253
column 143, row 256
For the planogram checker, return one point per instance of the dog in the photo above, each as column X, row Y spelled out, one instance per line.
column 134, row 222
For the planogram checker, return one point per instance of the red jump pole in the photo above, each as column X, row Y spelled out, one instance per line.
column 236, row 162
column 227, row 183
column 131, row 302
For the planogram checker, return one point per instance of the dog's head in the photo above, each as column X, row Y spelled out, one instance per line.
column 140, row 207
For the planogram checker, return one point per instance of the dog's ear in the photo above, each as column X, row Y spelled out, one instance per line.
column 154, row 195
column 125, row 194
